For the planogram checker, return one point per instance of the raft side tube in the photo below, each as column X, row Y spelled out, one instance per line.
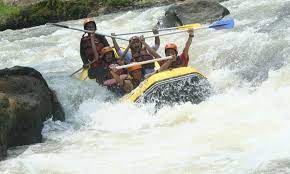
column 178, row 85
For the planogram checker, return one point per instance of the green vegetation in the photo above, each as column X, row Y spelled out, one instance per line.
column 40, row 13
column 8, row 10
column 116, row 3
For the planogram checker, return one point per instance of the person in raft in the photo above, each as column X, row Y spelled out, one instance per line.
column 90, row 48
column 171, row 50
column 108, row 60
column 134, row 78
column 137, row 52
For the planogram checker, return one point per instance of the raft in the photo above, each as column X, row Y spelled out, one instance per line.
column 178, row 85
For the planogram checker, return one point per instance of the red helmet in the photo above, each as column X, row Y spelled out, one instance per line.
column 133, row 68
column 106, row 50
column 171, row 46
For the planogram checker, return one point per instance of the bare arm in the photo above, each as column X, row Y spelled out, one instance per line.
column 118, row 49
column 157, row 39
column 117, row 78
column 125, row 84
column 96, row 54
column 116, row 45
column 167, row 64
column 149, row 49
column 188, row 43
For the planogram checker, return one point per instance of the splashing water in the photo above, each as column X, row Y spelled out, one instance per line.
column 242, row 129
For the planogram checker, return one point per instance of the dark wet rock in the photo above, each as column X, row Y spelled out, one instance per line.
column 26, row 102
column 193, row 11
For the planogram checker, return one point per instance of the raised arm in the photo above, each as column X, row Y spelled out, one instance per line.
column 157, row 39
column 116, row 45
column 122, row 54
column 96, row 54
column 188, row 42
column 149, row 49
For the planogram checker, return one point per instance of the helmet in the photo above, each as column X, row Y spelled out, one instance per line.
column 88, row 20
column 106, row 50
column 171, row 46
column 133, row 68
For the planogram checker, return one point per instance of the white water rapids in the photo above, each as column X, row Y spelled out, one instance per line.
column 244, row 128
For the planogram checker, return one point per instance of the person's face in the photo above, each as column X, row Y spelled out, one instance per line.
column 90, row 26
column 136, row 45
column 137, row 74
column 108, row 57
column 170, row 52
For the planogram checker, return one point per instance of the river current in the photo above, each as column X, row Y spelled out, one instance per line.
column 243, row 128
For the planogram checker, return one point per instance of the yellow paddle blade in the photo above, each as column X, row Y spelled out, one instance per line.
column 84, row 74
column 189, row 26
column 157, row 66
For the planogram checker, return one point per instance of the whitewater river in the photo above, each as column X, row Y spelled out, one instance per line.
column 244, row 128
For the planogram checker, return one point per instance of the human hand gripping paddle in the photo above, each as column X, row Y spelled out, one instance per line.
column 218, row 25
column 86, row 31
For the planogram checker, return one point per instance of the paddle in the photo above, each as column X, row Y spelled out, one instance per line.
column 218, row 25
column 183, row 27
column 83, row 67
column 144, row 62
column 87, row 31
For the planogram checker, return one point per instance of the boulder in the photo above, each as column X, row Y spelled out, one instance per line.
column 26, row 102
column 193, row 11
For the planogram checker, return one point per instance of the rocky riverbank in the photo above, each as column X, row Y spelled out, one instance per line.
column 17, row 14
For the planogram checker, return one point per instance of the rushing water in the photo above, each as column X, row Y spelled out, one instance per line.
column 244, row 128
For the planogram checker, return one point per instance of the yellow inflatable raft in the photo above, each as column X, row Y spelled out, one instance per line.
column 178, row 85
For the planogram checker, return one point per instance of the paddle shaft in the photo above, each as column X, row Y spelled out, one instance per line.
column 144, row 62
column 175, row 32
column 187, row 26
column 148, row 31
column 76, row 71
column 87, row 31
column 221, row 24
column 83, row 67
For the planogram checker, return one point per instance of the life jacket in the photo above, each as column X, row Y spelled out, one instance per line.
column 143, row 55
column 88, row 50
column 177, row 63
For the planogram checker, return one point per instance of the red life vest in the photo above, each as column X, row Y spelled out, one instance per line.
column 143, row 55
column 89, row 50
column 181, row 61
